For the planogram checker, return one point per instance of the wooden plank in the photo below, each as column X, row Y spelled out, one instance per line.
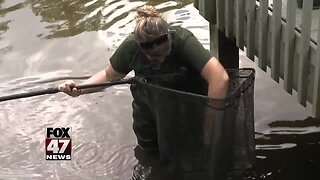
column 289, row 46
column 304, row 52
column 240, row 23
column 211, row 11
column 316, row 87
column 201, row 8
column 251, row 13
column 229, row 18
column 207, row 9
column 263, row 34
column 196, row 4
column 220, row 14
column 275, row 40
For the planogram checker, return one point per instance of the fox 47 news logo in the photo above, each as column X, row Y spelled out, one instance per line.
column 58, row 143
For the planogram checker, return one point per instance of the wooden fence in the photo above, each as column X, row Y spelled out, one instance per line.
column 273, row 39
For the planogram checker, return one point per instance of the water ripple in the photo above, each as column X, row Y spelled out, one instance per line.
column 274, row 147
column 96, row 159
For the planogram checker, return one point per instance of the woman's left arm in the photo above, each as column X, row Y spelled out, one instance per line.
column 217, row 78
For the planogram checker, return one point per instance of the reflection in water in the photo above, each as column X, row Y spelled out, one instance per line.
column 309, row 122
column 289, row 151
column 69, row 18
column 4, row 25
column 15, row 7
column 104, row 144
column 149, row 167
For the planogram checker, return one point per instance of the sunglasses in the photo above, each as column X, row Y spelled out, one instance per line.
column 158, row 41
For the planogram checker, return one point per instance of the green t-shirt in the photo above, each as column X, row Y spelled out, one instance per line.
column 186, row 51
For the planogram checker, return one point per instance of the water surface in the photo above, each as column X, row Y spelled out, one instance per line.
column 44, row 42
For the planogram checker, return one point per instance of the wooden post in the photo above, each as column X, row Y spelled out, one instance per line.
column 263, row 34
column 304, row 59
column 207, row 9
column 196, row 4
column 223, row 48
column 316, row 86
column 289, row 46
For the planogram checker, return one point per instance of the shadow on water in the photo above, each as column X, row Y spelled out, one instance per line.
column 289, row 151
column 149, row 167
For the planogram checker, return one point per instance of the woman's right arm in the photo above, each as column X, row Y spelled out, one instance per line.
column 104, row 75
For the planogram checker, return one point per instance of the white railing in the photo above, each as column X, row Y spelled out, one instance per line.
column 271, row 37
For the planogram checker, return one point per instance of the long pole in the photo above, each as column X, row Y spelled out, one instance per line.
column 56, row 90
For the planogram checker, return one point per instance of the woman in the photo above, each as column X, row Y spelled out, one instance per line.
column 156, row 48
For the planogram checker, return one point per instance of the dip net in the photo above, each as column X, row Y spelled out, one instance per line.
column 200, row 137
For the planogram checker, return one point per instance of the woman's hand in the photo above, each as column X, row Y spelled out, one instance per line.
column 68, row 87
column 104, row 75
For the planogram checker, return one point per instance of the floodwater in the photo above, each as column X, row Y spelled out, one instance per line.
column 44, row 42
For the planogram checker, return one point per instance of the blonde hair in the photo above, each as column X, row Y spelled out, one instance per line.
column 150, row 23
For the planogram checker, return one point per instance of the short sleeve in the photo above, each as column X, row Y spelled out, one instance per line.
column 194, row 52
column 120, row 60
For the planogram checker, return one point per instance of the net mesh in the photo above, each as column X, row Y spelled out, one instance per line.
column 200, row 137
